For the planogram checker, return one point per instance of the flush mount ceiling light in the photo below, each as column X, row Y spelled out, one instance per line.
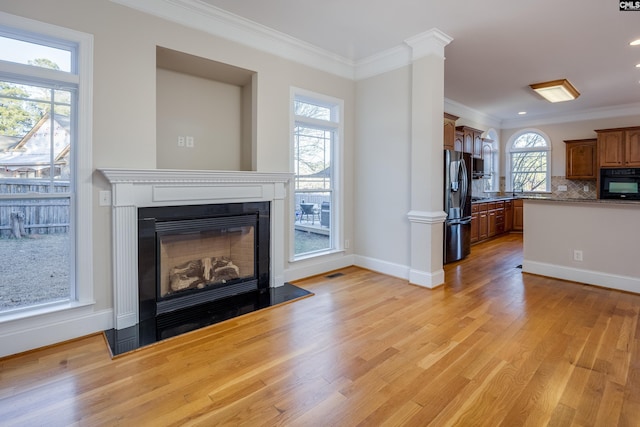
column 556, row 91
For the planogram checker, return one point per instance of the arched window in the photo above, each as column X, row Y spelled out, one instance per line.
column 529, row 162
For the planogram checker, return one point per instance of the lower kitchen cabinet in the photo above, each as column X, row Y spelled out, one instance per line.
column 518, row 215
column 475, row 230
column 508, row 215
column 489, row 219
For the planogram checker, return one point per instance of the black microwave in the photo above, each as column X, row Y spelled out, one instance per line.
column 623, row 183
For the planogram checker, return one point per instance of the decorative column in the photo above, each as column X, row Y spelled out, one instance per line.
column 427, row 107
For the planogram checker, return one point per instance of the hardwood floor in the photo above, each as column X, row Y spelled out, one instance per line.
column 492, row 347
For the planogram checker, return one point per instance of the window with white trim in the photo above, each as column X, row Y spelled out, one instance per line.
column 530, row 162
column 45, row 166
column 317, row 129
column 491, row 156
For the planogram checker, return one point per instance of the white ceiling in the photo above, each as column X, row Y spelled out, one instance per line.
column 499, row 47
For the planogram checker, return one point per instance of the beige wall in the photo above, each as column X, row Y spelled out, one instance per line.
column 207, row 110
column 124, row 101
column 606, row 233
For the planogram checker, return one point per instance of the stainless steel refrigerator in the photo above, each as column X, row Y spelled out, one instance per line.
column 457, row 205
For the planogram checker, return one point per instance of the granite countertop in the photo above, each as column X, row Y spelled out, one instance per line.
column 553, row 198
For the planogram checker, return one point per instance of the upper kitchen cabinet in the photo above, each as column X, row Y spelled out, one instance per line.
column 449, row 131
column 581, row 159
column 471, row 141
column 619, row 147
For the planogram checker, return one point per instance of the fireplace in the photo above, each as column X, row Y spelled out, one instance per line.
column 137, row 189
column 196, row 254
column 210, row 196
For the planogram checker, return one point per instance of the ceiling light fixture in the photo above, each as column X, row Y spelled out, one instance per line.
column 556, row 90
column 635, row 43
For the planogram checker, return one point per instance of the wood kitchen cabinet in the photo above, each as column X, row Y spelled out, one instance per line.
column 483, row 222
column 471, row 141
column 500, row 217
column 619, row 147
column 492, row 219
column 458, row 142
column 449, row 131
column 475, row 230
column 518, row 215
column 488, row 219
column 581, row 161
column 508, row 215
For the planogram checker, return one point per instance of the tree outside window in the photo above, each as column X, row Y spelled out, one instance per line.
column 529, row 161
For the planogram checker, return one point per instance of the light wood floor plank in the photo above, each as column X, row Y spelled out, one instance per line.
column 493, row 346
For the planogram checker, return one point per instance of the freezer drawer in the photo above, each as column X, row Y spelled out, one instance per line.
column 457, row 240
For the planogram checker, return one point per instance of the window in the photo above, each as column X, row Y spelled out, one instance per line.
column 491, row 156
column 316, row 132
column 529, row 162
column 45, row 152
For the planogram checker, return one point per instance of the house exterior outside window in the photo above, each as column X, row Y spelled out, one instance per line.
column 45, row 167
column 316, row 132
column 529, row 165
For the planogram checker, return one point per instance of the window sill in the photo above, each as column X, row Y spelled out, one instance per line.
column 42, row 310
column 316, row 255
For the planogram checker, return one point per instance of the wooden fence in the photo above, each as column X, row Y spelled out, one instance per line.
column 41, row 216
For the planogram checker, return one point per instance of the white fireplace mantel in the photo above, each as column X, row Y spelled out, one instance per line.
column 136, row 188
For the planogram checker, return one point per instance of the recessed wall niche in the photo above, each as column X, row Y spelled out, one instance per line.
column 205, row 118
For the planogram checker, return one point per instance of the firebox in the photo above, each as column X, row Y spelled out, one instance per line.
column 192, row 255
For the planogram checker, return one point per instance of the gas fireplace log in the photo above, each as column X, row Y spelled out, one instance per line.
column 198, row 273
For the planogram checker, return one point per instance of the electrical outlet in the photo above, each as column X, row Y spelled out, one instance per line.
column 562, row 188
column 577, row 255
column 190, row 142
column 181, row 141
column 346, row 243
column 585, row 188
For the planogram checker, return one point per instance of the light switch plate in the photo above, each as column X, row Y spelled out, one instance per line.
column 105, row 198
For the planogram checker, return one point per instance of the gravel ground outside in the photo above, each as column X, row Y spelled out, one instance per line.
column 309, row 242
column 35, row 270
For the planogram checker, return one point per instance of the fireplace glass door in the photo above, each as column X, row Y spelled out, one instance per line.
column 206, row 253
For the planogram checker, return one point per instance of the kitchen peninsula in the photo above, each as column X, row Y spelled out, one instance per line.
column 583, row 240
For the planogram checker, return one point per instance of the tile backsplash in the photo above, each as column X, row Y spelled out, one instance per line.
column 575, row 189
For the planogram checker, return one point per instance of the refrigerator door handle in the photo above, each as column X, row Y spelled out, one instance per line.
column 465, row 185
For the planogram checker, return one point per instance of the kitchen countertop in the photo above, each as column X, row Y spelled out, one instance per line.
column 551, row 198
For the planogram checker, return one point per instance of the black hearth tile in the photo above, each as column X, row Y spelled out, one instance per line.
column 181, row 321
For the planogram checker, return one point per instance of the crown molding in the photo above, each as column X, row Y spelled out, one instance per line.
column 383, row 62
column 220, row 23
column 431, row 42
column 576, row 116
column 460, row 110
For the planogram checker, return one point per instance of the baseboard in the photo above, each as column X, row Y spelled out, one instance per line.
column 384, row 267
column 597, row 278
column 48, row 330
column 318, row 266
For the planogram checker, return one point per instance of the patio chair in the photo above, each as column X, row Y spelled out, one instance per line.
column 308, row 209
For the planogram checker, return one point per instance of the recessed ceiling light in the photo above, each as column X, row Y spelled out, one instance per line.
column 635, row 43
column 522, row 113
